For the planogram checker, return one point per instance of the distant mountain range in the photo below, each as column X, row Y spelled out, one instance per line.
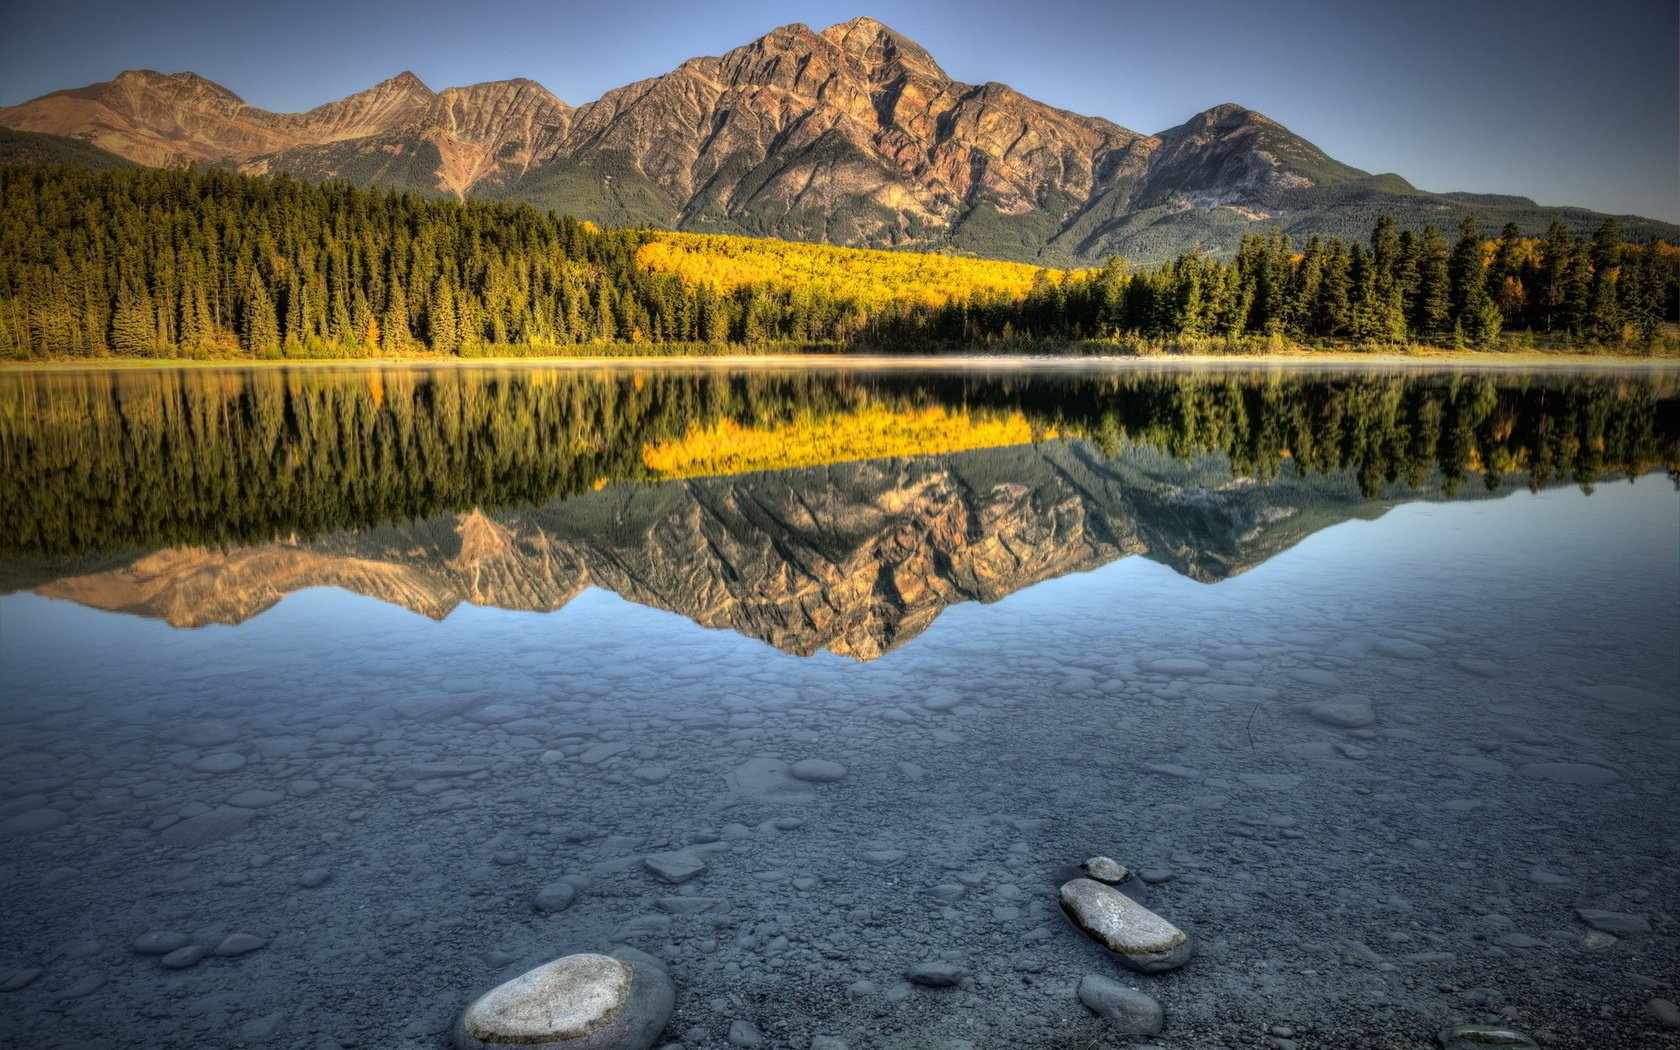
column 853, row 135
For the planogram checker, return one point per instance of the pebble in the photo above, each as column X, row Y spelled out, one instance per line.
column 1142, row 939
column 1349, row 711
column 1482, row 1036
column 1666, row 1011
column 206, row 828
column 239, row 944
column 1130, row 1011
column 314, row 877
column 18, row 980
column 555, row 897
column 675, row 867
column 160, row 942
column 935, row 974
column 182, row 958
column 818, row 771
column 1620, row 923
column 744, row 1033
column 1106, row 869
column 222, row 762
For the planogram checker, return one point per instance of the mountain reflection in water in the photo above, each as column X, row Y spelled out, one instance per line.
column 818, row 509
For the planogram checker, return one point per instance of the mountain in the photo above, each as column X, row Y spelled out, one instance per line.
column 855, row 558
column 853, row 135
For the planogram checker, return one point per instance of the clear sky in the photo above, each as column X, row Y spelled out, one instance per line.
column 1565, row 101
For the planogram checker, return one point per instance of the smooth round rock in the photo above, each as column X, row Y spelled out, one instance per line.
column 555, row 897
column 579, row 1002
column 1130, row 1011
column 817, row 771
column 1106, row 869
column 1143, row 940
column 1482, row 1036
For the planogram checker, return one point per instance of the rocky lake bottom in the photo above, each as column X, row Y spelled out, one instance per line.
column 1413, row 773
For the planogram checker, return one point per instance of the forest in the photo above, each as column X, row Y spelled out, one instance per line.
column 210, row 264
column 105, row 460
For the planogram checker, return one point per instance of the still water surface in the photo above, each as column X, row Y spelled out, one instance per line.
column 1374, row 677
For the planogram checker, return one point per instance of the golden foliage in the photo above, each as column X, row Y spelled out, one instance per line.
column 869, row 277
column 727, row 447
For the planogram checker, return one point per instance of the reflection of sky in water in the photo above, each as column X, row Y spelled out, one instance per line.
column 1372, row 884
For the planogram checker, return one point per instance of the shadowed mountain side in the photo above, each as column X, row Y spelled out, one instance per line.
column 855, row 558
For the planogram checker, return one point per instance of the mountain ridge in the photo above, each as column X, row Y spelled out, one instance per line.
column 853, row 135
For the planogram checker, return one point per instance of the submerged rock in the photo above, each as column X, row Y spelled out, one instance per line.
column 1132, row 1012
column 1143, row 940
column 1616, row 922
column 676, row 867
column 578, row 1002
column 1481, row 1036
column 1106, row 869
column 935, row 974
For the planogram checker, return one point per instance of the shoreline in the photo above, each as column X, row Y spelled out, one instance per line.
column 1472, row 360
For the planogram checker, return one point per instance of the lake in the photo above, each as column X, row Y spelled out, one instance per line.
column 333, row 697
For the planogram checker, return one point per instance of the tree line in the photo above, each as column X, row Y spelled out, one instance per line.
column 101, row 461
column 208, row 263
column 1402, row 287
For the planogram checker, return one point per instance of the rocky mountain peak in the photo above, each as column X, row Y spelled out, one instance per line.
column 883, row 48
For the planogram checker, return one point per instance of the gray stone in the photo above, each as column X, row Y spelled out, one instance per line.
column 239, row 944
column 222, row 762
column 1106, row 869
column 1665, row 1011
column 160, row 942
column 817, row 771
column 744, row 1033
column 935, row 974
column 182, row 958
column 1481, row 1036
column 314, row 877
column 1348, row 711
column 1129, row 1010
column 555, row 897
column 675, row 867
column 18, row 980
column 1142, row 939
column 1619, row 923
column 206, row 828
column 578, row 1002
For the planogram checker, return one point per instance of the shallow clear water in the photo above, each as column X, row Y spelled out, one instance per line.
column 379, row 741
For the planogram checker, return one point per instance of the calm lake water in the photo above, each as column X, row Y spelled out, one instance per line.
column 1373, row 676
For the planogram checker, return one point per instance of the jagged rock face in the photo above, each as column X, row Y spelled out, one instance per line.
column 852, row 135
column 856, row 558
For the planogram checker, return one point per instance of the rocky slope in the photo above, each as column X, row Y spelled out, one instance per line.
column 851, row 135
column 855, row 558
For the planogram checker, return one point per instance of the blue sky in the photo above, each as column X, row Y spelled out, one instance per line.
column 1566, row 101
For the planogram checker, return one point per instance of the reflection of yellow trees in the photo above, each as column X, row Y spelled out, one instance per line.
column 94, row 461
column 873, row 432
column 871, row 278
